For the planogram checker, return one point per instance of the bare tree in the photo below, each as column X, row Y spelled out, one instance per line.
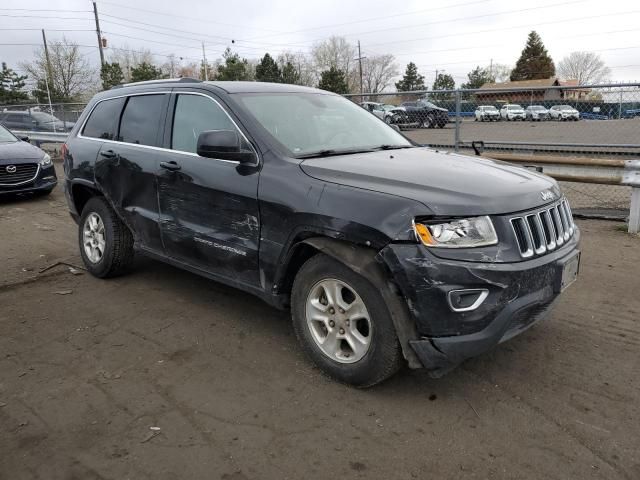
column 171, row 67
column 337, row 52
column 585, row 67
column 129, row 59
column 303, row 66
column 377, row 72
column 71, row 73
column 499, row 72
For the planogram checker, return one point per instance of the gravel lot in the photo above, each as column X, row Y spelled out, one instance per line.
column 88, row 367
column 585, row 131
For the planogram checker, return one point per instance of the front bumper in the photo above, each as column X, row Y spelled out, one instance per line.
column 45, row 180
column 520, row 294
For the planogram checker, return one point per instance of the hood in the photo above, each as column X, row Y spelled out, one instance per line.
column 19, row 151
column 448, row 184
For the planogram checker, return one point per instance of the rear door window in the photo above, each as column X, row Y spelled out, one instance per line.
column 103, row 121
column 141, row 119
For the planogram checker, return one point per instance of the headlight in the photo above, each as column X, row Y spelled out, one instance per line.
column 46, row 160
column 462, row 233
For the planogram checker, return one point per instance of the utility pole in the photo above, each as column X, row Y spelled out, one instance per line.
column 205, row 67
column 360, row 58
column 491, row 69
column 95, row 14
column 48, row 79
column 46, row 55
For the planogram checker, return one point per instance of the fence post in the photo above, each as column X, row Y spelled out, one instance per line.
column 457, row 132
column 634, row 212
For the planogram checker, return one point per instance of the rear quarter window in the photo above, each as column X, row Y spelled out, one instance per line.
column 103, row 120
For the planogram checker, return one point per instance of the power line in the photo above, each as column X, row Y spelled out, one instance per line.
column 179, row 16
column 44, row 10
column 514, row 27
column 472, row 17
column 371, row 19
column 48, row 29
column 48, row 17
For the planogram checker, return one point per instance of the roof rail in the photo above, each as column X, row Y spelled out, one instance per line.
column 162, row 80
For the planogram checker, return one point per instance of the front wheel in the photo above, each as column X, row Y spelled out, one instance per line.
column 106, row 244
column 343, row 323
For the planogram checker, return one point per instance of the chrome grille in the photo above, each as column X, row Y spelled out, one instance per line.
column 543, row 230
column 24, row 173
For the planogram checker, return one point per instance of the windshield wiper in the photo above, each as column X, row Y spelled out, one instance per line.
column 333, row 152
column 393, row 147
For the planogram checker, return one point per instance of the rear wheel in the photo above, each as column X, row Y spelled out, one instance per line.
column 343, row 323
column 106, row 244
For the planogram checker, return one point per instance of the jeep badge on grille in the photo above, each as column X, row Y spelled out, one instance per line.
column 546, row 195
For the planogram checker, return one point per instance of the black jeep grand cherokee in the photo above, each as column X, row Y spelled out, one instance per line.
column 382, row 249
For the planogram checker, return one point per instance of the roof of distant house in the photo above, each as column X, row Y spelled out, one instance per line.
column 542, row 82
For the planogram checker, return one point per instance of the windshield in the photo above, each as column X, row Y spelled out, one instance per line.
column 389, row 107
column 306, row 123
column 536, row 107
column 514, row 107
column 565, row 107
column 490, row 109
column 6, row 135
column 44, row 117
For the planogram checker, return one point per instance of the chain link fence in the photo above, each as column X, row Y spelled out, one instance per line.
column 597, row 121
column 39, row 117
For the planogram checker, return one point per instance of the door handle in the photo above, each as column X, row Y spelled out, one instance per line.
column 108, row 154
column 171, row 166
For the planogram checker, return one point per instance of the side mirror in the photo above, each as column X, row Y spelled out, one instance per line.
column 24, row 139
column 224, row 145
column 395, row 127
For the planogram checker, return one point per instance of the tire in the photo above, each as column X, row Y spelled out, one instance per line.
column 429, row 122
column 388, row 120
column 116, row 240
column 381, row 357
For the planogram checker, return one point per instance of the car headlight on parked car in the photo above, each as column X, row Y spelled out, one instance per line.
column 459, row 233
column 46, row 160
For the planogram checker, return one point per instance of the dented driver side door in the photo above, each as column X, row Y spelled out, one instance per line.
column 209, row 216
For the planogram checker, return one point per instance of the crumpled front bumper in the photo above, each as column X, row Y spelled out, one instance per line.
column 520, row 294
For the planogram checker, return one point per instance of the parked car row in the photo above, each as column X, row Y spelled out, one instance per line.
column 514, row 112
column 420, row 113
column 33, row 121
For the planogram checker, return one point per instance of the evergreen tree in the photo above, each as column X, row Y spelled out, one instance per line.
column 11, row 86
column 534, row 62
column 145, row 71
column 478, row 77
column 333, row 80
column 444, row 81
column 290, row 74
column 411, row 80
column 111, row 75
column 267, row 70
column 233, row 68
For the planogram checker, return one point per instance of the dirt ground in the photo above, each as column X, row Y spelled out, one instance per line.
column 162, row 374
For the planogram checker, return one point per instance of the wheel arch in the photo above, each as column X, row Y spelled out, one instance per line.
column 82, row 192
column 365, row 262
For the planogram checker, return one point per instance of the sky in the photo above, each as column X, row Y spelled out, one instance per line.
column 451, row 35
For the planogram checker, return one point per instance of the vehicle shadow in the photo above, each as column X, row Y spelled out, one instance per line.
column 253, row 315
